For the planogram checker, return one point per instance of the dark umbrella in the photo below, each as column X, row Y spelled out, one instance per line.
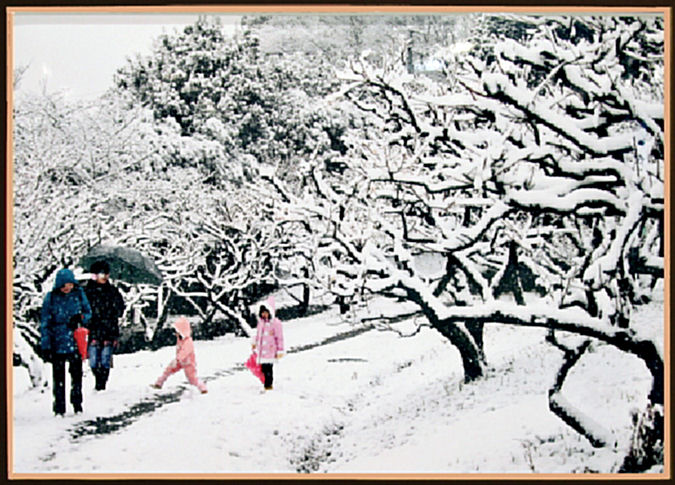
column 126, row 264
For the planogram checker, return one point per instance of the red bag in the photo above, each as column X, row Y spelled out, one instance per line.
column 81, row 335
column 254, row 367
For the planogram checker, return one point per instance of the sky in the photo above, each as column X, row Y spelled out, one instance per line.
column 78, row 53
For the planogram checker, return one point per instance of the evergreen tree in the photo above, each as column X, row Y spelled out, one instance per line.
column 226, row 90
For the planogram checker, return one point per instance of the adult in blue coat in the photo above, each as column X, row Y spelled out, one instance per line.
column 64, row 309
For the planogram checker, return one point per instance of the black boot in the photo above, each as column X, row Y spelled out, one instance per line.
column 97, row 376
column 104, row 377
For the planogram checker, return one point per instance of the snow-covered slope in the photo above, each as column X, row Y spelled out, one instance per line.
column 368, row 403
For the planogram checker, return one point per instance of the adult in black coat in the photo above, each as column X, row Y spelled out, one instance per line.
column 107, row 306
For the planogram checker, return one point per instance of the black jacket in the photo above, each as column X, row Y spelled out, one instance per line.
column 107, row 306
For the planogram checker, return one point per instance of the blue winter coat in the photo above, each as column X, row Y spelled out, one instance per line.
column 57, row 310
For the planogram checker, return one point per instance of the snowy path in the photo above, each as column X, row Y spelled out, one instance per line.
column 109, row 424
column 72, row 431
column 375, row 403
column 225, row 430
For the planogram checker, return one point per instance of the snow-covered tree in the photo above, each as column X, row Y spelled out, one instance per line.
column 65, row 157
column 237, row 116
column 536, row 181
column 86, row 174
column 409, row 38
column 224, row 90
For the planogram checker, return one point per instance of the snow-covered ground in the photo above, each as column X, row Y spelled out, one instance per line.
column 371, row 403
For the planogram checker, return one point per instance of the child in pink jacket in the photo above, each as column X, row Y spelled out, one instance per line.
column 185, row 357
column 269, row 342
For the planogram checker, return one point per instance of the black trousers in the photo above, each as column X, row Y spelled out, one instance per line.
column 267, row 373
column 59, row 376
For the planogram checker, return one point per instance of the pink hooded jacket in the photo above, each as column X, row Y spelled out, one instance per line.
column 185, row 348
column 269, row 339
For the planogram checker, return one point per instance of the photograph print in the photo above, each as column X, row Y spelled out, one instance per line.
column 412, row 243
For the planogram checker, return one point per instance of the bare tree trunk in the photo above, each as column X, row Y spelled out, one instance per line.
column 304, row 305
column 344, row 306
column 471, row 354
column 661, row 236
column 208, row 327
column 510, row 281
column 476, row 330
column 560, row 407
column 647, row 444
column 443, row 283
column 163, row 314
column 472, row 359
